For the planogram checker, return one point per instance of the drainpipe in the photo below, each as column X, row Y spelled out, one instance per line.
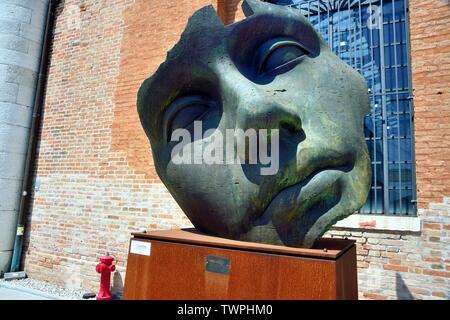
column 32, row 142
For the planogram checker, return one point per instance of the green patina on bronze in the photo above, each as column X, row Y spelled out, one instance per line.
column 299, row 87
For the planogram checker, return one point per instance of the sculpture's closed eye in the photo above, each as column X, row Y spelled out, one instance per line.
column 278, row 55
column 182, row 113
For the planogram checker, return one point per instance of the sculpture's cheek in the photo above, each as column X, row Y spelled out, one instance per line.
column 217, row 198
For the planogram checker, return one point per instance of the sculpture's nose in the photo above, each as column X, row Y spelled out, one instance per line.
column 258, row 110
column 259, row 113
column 256, row 106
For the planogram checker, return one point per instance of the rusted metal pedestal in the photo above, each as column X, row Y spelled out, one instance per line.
column 185, row 264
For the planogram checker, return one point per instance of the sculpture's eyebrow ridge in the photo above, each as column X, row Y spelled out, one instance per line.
column 261, row 27
column 175, row 78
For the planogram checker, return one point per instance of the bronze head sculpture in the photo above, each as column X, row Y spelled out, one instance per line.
column 270, row 71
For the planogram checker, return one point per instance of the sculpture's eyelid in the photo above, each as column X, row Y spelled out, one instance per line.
column 177, row 105
column 270, row 46
column 170, row 111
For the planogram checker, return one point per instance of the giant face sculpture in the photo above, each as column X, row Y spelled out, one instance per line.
column 269, row 71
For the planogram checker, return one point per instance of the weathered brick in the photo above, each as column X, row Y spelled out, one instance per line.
column 420, row 291
column 395, row 268
column 437, row 273
column 393, row 249
column 432, row 226
column 439, row 294
column 374, row 253
column 374, row 296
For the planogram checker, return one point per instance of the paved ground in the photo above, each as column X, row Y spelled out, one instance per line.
column 9, row 293
column 31, row 289
column 26, row 289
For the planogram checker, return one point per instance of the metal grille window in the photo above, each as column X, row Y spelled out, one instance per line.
column 372, row 36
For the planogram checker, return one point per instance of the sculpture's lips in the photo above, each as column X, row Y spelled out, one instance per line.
column 296, row 200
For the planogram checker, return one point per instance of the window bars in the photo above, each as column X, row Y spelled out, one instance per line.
column 373, row 37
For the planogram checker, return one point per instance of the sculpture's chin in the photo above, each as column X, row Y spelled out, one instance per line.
column 296, row 209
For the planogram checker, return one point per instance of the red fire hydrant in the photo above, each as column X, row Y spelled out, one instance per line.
column 105, row 267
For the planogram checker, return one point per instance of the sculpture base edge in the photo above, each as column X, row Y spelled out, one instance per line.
column 187, row 265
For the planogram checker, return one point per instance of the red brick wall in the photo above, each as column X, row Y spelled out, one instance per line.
column 430, row 54
column 97, row 183
column 404, row 265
